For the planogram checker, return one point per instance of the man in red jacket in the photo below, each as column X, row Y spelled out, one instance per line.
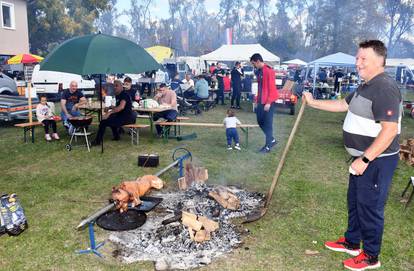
column 266, row 96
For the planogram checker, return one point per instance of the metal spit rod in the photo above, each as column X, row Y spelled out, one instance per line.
column 105, row 209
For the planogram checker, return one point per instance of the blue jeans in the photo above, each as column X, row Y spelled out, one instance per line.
column 367, row 195
column 265, row 121
column 169, row 115
column 65, row 118
column 231, row 134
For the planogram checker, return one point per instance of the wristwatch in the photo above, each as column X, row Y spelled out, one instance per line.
column 365, row 160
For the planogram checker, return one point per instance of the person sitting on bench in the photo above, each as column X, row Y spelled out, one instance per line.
column 187, row 86
column 44, row 113
column 121, row 114
column 165, row 97
column 70, row 102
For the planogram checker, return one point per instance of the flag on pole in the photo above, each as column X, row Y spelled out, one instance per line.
column 184, row 40
column 229, row 36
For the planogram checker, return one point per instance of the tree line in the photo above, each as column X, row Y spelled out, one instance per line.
column 305, row 29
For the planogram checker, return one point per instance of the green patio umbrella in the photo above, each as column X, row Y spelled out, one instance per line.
column 99, row 54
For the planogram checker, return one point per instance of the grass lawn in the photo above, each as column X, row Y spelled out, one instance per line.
column 58, row 188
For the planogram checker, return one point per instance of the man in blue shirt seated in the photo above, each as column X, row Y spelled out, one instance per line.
column 201, row 88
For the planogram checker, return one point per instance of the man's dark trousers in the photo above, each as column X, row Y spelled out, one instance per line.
column 220, row 95
column 265, row 121
column 168, row 115
column 236, row 95
column 115, row 122
column 367, row 195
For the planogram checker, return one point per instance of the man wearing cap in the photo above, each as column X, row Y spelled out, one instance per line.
column 165, row 97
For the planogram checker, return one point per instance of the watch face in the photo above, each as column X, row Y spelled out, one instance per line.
column 365, row 160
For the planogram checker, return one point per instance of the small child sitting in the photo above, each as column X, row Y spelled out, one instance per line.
column 230, row 122
column 44, row 114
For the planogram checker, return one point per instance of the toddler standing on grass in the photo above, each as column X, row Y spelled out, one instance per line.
column 44, row 114
column 230, row 122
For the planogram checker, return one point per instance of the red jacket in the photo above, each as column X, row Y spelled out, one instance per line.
column 269, row 90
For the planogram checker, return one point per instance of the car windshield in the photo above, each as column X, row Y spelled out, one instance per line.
column 248, row 68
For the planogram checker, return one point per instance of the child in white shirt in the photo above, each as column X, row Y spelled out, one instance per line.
column 44, row 114
column 231, row 122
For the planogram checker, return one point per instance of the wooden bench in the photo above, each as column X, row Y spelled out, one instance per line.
column 29, row 127
column 134, row 131
column 165, row 125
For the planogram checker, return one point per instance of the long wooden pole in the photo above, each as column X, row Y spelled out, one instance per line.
column 262, row 212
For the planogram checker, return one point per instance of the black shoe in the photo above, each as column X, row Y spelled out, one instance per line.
column 116, row 138
column 265, row 149
column 232, row 106
column 274, row 142
column 238, row 107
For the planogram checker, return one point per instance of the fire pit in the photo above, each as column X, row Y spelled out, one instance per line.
column 169, row 245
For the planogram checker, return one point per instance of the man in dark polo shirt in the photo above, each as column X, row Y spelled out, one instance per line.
column 121, row 114
column 371, row 131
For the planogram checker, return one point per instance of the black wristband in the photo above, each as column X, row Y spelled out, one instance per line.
column 365, row 160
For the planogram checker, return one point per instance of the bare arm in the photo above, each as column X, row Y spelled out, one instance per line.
column 63, row 107
column 174, row 101
column 326, row 105
column 82, row 101
column 119, row 108
column 381, row 143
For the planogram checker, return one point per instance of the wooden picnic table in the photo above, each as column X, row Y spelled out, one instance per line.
column 93, row 107
column 151, row 112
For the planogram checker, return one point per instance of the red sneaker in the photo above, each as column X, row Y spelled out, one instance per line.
column 362, row 262
column 341, row 245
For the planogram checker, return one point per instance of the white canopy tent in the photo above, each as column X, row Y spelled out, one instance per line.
column 296, row 61
column 395, row 62
column 338, row 59
column 240, row 52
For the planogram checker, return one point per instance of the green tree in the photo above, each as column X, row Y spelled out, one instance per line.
column 107, row 21
column 53, row 21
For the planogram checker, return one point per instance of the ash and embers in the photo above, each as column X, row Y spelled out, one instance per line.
column 169, row 246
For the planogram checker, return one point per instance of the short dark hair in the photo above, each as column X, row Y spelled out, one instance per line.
column 128, row 79
column 42, row 96
column 256, row 57
column 237, row 63
column 163, row 85
column 378, row 47
column 230, row 113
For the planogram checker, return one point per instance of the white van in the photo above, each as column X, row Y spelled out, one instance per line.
column 52, row 83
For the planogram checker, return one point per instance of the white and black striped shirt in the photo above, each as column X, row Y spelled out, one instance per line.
column 375, row 101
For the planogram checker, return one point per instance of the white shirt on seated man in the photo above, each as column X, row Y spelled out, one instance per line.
column 187, row 83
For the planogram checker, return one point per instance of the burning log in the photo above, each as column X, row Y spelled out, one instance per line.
column 190, row 220
column 130, row 191
column 192, row 175
column 199, row 227
column 225, row 198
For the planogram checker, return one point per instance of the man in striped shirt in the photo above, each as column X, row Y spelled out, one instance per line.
column 371, row 131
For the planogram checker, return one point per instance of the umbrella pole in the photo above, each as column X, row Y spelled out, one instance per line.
column 100, row 94
column 30, row 103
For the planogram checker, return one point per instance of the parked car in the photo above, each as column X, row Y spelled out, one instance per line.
column 7, row 86
column 53, row 83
